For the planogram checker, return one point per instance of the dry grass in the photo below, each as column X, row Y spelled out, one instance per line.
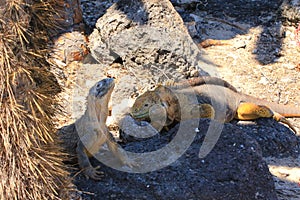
column 31, row 165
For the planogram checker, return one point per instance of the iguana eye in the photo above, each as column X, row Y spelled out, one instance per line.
column 164, row 104
column 146, row 105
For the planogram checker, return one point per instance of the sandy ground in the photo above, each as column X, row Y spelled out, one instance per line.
column 276, row 81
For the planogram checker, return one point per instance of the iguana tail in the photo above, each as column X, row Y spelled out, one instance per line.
column 284, row 110
column 203, row 80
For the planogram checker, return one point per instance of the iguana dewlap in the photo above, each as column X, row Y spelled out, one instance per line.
column 213, row 98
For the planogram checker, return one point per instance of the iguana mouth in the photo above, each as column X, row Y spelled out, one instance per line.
column 140, row 116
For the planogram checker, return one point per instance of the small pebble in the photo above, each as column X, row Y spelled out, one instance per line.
column 263, row 80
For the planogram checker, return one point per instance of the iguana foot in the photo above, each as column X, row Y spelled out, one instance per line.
column 278, row 117
column 93, row 173
column 130, row 163
column 206, row 111
column 194, row 111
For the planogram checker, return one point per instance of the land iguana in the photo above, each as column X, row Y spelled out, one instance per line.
column 215, row 98
column 86, row 136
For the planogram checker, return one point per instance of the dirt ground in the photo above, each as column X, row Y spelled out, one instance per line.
column 260, row 57
column 276, row 81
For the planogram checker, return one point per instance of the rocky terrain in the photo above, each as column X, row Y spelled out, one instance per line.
column 259, row 56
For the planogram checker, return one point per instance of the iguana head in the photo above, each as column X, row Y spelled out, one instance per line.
column 102, row 88
column 98, row 99
column 142, row 105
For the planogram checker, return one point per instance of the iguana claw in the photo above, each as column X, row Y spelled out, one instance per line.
column 278, row 117
column 93, row 173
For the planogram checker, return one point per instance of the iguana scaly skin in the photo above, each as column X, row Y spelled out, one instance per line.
column 163, row 101
column 207, row 97
column 86, row 136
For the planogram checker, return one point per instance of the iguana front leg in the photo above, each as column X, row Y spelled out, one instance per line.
column 250, row 111
column 194, row 111
column 84, row 163
column 83, row 158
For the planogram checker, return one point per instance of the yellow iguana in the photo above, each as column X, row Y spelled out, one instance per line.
column 86, row 136
column 207, row 97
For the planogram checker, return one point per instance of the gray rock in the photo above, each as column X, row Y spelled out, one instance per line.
column 133, row 29
column 94, row 9
column 275, row 139
column 69, row 15
column 149, row 41
column 234, row 170
column 185, row 1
